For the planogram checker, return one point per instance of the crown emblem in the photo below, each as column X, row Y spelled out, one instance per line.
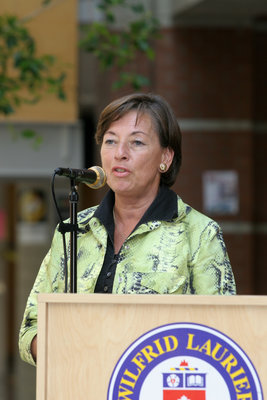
column 184, row 364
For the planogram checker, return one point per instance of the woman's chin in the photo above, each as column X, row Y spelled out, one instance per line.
column 125, row 191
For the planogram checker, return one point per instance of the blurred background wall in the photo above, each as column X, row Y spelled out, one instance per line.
column 211, row 66
column 27, row 216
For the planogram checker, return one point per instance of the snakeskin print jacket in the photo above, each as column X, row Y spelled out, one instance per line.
column 185, row 254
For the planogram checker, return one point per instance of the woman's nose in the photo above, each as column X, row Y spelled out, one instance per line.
column 121, row 151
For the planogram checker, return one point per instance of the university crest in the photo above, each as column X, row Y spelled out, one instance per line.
column 184, row 361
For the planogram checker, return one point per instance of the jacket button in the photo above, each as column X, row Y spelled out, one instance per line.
column 105, row 288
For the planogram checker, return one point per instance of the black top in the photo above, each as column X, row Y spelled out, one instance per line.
column 163, row 208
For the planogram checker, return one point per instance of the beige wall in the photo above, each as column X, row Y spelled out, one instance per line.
column 55, row 31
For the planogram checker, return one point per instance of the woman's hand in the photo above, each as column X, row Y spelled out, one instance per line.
column 34, row 348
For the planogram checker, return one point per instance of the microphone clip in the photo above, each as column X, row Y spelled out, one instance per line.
column 64, row 227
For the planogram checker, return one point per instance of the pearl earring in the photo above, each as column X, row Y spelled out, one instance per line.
column 162, row 167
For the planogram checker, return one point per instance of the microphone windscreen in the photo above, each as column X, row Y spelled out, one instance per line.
column 100, row 180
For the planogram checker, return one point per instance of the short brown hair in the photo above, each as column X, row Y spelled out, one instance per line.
column 164, row 120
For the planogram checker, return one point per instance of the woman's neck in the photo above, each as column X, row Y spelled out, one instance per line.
column 128, row 207
column 127, row 213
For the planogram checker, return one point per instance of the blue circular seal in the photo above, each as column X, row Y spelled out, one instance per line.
column 184, row 361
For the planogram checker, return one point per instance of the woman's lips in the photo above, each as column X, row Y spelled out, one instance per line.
column 120, row 171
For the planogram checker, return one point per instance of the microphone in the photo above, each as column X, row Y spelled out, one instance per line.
column 93, row 177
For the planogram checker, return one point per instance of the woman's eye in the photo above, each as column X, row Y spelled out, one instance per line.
column 109, row 141
column 138, row 143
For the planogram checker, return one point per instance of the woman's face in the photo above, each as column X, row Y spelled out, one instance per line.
column 131, row 155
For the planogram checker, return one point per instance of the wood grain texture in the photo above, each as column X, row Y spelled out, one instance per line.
column 82, row 337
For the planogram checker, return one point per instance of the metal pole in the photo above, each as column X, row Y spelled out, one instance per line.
column 73, row 197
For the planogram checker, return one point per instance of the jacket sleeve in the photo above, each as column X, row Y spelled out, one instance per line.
column 50, row 279
column 210, row 268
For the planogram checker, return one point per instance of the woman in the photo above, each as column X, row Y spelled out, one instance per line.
column 142, row 238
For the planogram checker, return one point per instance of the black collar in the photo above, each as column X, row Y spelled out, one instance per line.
column 163, row 208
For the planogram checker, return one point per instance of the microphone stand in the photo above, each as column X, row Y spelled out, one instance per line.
column 73, row 199
column 71, row 228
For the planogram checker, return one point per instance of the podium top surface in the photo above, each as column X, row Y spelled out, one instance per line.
column 238, row 300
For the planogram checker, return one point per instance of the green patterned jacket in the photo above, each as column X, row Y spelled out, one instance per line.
column 185, row 255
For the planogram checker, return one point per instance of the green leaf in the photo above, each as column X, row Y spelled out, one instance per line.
column 120, row 50
column 139, row 81
column 6, row 109
column 32, row 135
column 32, row 75
column 143, row 45
column 110, row 17
column 150, row 53
column 138, row 8
column 28, row 133
column 61, row 94
column 11, row 41
column 37, row 142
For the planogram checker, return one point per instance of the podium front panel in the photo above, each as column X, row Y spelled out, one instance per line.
column 81, row 338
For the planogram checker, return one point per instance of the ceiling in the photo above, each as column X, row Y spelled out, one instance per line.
column 220, row 12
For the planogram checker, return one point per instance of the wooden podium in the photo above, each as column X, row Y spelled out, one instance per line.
column 82, row 337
